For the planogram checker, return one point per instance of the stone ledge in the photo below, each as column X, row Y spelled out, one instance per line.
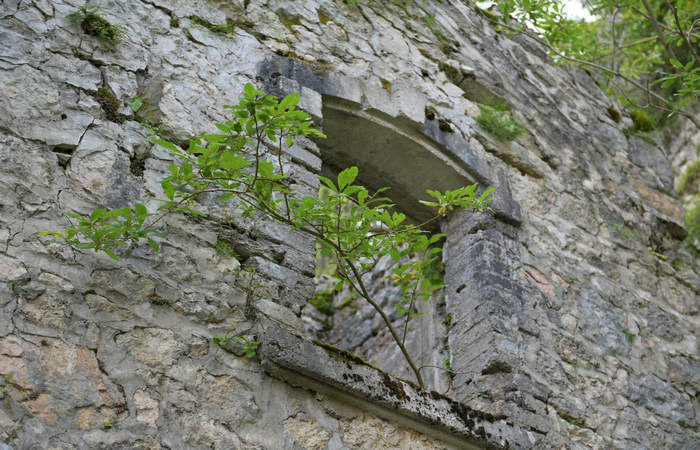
column 342, row 375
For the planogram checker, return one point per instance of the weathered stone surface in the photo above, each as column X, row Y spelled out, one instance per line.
column 154, row 347
column 559, row 320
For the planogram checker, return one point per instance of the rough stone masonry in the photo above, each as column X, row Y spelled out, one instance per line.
column 564, row 326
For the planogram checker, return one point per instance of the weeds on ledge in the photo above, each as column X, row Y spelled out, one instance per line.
column 95, row 25
column 497, row 121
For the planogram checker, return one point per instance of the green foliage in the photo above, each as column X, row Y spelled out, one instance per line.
column 353, row 225
column 154, row 128
column 689, row 183
column 95, row 25
column 630, row 336
column 323, row 301
column 641, row 120
column 227, row 28
column 223, row 248
column 108, row 424
column 106, row 230
column 248, row 346
column 136, row 103
column 446, row 363
column 684, row 82
column 692, row 221
column 630, row 44
column 626, row 231
column 497, row 121
column 576, row 422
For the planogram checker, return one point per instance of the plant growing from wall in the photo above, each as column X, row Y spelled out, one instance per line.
column 238, row 165
column 95, row 25
column 497, row 121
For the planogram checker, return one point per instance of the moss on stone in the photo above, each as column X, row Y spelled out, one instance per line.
column 642, row 120
column 497, row 121
column 395, row 386
column 95, row 25
column 430, row 113
column 227, row 28
column 290, row 22
column 322, row 17
column 488, row 15
column 614, row 114
column 343, row 355
column 110, row 104
column 452, row 73
column 445, row 126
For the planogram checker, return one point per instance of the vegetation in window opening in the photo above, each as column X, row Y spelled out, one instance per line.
column 95, row 25
column 243, row 163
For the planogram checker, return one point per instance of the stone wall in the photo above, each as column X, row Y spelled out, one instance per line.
column 573, row 309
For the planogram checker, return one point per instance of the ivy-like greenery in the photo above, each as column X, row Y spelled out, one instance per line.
column 357, row 227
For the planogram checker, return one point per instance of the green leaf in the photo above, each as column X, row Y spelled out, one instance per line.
column 290, row 101
column 136, row 103
column 485, row 194
column 96, row 214
column 266, row 169
column 168, row 188
column 232, row 161
column 250, row 92
column 394, row 254
column 141, row 212
column 328, row 183
column 154, row 245
column 168, row 145
column 346, row 177
column 223, row 127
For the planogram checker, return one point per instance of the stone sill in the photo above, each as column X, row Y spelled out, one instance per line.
column 301, row 362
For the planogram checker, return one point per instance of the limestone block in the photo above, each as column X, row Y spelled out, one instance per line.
column 154, row 347
column 11, row 269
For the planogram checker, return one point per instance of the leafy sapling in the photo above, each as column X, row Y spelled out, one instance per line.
column 243, row 164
